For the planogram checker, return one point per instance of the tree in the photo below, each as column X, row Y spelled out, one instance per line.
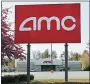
column 54, row 54
column 8, row 62
column 84, row 59
column 75, row 56
column 46, row 54
column 36, row 55
column 62, row 56
column 87, row 68
column 88, row 45
column 8, row 46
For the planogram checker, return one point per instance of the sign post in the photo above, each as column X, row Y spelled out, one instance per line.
column 28, row 63
column 66, row 62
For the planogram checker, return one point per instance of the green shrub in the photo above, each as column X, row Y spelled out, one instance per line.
column 87, row 68
column 22, row 78
column 7, row 79
column 15, row 78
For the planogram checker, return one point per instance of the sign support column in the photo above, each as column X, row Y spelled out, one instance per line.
column 66, row 62
column 28, row 63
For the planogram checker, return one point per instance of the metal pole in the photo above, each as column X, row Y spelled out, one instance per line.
column 62, row 60
column 51, row 55
column 28, row 64
column 66, row 62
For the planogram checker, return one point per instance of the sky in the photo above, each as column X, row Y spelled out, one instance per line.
column 58, row 47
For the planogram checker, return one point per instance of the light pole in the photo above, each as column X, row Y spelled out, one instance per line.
column 51, row 55
column 62, row 59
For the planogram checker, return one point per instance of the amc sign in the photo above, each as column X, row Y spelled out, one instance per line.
column 47, row 62
column 51, row 23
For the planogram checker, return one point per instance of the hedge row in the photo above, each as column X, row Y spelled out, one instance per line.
column 15, row 78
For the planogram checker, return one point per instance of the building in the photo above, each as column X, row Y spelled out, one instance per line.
column 47, row 64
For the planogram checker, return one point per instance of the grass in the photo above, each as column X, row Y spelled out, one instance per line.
column 62, row 80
